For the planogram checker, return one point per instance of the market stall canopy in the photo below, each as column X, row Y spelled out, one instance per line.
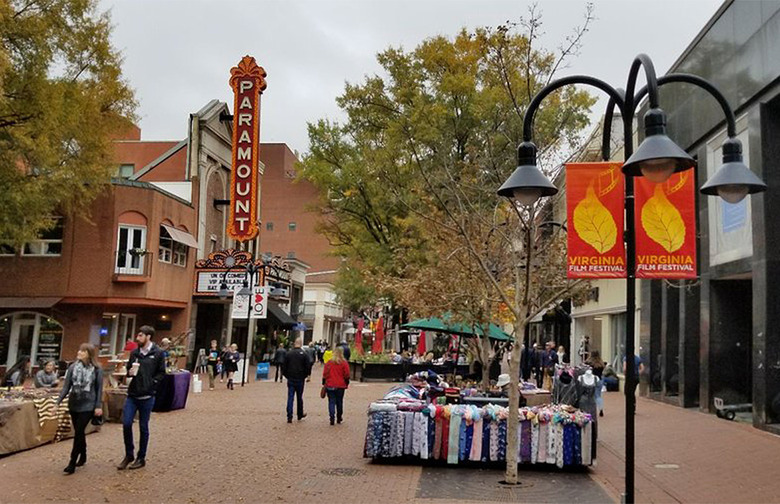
column 445, row 326
column 280, row 316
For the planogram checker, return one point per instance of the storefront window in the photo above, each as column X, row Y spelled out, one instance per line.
column 618, row 337
column 32, row 334
column 108, row 330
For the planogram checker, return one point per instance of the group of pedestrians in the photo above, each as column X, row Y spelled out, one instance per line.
column 83, row 386
column 222, row 362
column 541, row 363
column 296, row 366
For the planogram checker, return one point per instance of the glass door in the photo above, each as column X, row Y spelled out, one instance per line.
column 22, row 336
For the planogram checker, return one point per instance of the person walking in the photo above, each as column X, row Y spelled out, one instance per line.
column 212, row 363
column 223, row 357
column 549, row 360
column 296, row 368
column 83, row 387
column 231, row 364
column 279, row 355
column 345, row 348
column 597, row 365
column 335, row 379
column 147, row 368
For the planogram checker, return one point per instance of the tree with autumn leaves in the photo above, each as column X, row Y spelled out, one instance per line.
column 62, row 98
column 409, row 179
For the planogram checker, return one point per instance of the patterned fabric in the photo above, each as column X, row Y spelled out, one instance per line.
column 468, row 437
column 437, row 442
column 454, row 439
column 43, row 406
column 493, row 441
column 541, row 456
column 445, row 437
column 408, row 447
column 525, row 447
column 587, row 455
column 577, row 445
column 476, row 442
column 568, row 445
column 534, row 442
column 502, row 440
column 558, row 443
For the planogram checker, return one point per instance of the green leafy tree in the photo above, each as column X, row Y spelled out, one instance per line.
column 409, row 179
column 62, row 98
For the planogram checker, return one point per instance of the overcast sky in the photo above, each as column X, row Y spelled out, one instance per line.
column 178, row 54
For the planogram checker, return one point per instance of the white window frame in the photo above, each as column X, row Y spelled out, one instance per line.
column 126, row 321
column 112, row 333
column 165, row 249
column 180, row 251
column 129, row 270
column 43, row 242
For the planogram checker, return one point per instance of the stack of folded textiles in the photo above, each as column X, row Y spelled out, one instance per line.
column 550, row 434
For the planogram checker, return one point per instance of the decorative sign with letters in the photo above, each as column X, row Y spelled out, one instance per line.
column 248, row 82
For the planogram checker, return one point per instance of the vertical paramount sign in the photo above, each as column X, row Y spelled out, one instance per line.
column 248, row 81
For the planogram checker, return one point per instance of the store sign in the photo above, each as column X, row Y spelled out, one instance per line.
column 594, row 207
column 209, row 282
column 248, row 81
column 666, row 227
column 49, row 344
column 257, row 303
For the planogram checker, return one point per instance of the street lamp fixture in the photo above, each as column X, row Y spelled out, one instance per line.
column 733, row 181
column 657, row 158
column 527, row 183
column 223, row 291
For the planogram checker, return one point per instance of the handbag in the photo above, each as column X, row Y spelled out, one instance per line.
column 98, row 420
column 323, row 392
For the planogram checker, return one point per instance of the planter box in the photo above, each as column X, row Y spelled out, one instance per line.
column 386, row 372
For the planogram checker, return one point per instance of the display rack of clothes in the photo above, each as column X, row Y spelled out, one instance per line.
column 581, row 388
column 455, row 433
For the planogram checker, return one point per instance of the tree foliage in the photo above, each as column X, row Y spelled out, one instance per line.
column 62, row 98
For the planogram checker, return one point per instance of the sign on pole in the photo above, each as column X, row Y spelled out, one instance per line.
column 594, row 206
column 240, row 305
column 247, row 80
column 259, row 303
column 666, row 227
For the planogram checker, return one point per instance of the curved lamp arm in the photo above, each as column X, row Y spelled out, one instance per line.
column 731, row 122
column 606, row 134
column 528, row 121
column 641, row 61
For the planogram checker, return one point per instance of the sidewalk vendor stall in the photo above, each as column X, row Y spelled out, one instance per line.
column 421, row 420
column 27, row 419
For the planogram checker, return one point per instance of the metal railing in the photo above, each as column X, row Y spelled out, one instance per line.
column 130, row 263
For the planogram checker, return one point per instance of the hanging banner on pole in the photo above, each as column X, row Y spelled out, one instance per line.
column 666, row 227
column 260, row 303
column 248, row 81
column 594, row 211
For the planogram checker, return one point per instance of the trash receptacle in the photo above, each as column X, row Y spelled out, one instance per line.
column 262, row 371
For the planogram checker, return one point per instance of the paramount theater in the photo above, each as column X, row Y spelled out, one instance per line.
column 156, row 246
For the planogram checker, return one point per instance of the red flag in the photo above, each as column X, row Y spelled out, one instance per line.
column 380, row 336
column 666, row 227
column 359, row 337
column 594, row 197
column 421, row 350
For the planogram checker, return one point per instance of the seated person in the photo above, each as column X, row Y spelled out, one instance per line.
column 47, row 377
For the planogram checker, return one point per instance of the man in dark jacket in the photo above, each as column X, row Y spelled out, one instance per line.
column 345, row 348
column 281, row 352
column 147, row 368
column 296, row 368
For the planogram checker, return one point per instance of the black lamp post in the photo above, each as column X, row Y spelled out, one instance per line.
column 657, row 158
column 250, row 270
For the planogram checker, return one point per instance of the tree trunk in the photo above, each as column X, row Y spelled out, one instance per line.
column 486, row 362
column 513, row 422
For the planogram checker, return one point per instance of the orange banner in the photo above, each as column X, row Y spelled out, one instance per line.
column 666, row 227
column 594, row 210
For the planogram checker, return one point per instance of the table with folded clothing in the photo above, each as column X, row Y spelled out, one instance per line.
column 414, row 421
column 172, row 392
column 27, row 419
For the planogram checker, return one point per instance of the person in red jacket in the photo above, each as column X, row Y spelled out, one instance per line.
column 335, row 379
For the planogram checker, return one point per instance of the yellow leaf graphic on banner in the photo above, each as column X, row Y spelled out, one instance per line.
column 662, row 221
column 594, row 224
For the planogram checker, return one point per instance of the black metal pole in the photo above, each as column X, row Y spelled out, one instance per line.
column 249, row 337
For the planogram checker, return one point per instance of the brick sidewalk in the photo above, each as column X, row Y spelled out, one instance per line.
column 684, row 455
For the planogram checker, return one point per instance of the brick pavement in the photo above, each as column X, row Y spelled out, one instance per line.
column 236, row 447
column 716, row 461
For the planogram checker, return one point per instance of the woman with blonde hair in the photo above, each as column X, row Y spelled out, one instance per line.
column 84, row 387
column 335, row 380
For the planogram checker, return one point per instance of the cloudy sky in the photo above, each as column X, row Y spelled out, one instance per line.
column 178, row 53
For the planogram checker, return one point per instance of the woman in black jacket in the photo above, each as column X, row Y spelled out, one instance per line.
column 84, row 388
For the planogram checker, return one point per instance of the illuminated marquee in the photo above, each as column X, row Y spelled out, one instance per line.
column 248, row 82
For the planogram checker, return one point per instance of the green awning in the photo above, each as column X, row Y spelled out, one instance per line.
column 442, row 325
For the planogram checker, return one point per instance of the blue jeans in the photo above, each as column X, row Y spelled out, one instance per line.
column 294, row 388
column 336, row 402
column 144, row 409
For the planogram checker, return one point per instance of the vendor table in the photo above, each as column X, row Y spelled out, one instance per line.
column 21, row 430
column 172, row 391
